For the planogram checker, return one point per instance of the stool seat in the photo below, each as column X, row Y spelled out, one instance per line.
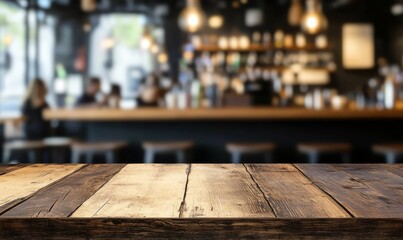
column 24, row 145
column 324, row 147
column 58, row 142
column 250, row 147
column 386, row 148
column 168, row 146
column 32, row 147
column 180, row 149
column 391, row 151
column 98, row 147
column 313, row 150
column 109, row 149
column 238, row 149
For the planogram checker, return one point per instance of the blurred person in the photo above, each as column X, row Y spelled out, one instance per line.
column 35, row 127
column 150, row 93
column 89, row 98
column 113, row 98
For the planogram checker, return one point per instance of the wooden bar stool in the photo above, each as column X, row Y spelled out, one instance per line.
column 33, row 148
column 390, row 151
column 108, row 149
column 59, row 148
column 180, row 149
column 237, row 150
column 314, row 150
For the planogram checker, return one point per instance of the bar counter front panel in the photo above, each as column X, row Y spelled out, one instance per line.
column 212, row 129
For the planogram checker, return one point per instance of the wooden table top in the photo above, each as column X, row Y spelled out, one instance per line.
column 198, row 201
column 297, row 114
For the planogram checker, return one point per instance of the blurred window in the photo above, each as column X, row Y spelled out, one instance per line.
column 115, row 53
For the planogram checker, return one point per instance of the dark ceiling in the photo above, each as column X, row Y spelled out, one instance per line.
column 150, row 5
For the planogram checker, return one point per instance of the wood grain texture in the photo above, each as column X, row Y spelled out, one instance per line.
column 223, row 191
column 336, row 229
column 18, row 185
column 64, row 197
column 292, row 195
column 364, row 190
column 216, row 114
column 139, row 191
column 4, row 169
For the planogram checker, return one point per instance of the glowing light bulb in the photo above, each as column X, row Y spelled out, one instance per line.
column 155, row 48
column 192, row 17
column 145, row 43
column 162, row 58
column 314, row 20
column 216, row 21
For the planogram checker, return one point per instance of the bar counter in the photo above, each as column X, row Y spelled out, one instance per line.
column 205, row 201
column 211, row 129
column 295, row 114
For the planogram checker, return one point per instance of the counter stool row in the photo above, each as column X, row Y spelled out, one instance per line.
column 182, row 150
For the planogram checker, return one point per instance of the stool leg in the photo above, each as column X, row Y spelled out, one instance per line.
column 345, row 158
column 269, row 157
column 180, row 157
column 236, row 158
column 313, row 157
column 149, row 157
column 89, row 157
column 110, row 157
column 391, row 158
column 6, row 156
column 32, row 155
column 75, row 158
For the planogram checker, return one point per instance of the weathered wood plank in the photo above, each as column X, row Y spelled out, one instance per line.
column 364, row 192
column 223, row 191
column 18, row 185
column 70, row 228
column 4, row 169
column 292, row 195
column 64, row 197
column 139, row 191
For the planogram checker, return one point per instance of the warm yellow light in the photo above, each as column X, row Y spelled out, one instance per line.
column 7, row 40
column 192, row 17
column 108, row 43
column 233, row 42
column 145, row 43
column 311, row 23
column 314, row 20
column 216, row 21
column 155, row 48
column 244, row 42
column 223, row 42
column 162, row 58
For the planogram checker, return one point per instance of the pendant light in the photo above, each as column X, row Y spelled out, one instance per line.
column 88, row 5
column 295, row 13
column 216, row 21
column 146, row 40
column 192, row 17
column 314, row 21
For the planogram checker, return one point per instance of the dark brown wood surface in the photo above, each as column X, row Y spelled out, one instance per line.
column 201, row 201
column 64, row 197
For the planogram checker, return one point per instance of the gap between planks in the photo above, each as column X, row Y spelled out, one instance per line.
column 183, row 203
column 260, row 189
column 324, row 191
column 5, row 208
